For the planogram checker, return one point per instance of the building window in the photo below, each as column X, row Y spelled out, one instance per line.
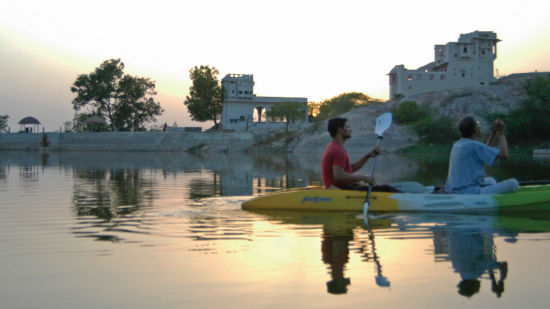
column 431, row 77
column 241, row 118
column 465, row 49
column 410, row 77
column 240, row 92
column 443, row 77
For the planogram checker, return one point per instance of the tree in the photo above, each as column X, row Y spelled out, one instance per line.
column 134, row 105
column 410, row 111
column 342, row 103
column 313, row 110
column 3, row 122
column 205, row 99
column 109, row 94
column 290, row 111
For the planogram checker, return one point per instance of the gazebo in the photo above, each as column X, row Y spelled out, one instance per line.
column 96, row 122
column 29, row 124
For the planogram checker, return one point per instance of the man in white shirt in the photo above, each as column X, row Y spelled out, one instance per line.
column 468, row 159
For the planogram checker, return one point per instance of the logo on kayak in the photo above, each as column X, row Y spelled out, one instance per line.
column 316, row 199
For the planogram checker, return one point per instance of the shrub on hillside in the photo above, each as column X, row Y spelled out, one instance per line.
column 529, row 123
column 436, row 131
column 410, row 112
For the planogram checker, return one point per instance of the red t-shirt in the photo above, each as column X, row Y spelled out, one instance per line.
column 335, row 154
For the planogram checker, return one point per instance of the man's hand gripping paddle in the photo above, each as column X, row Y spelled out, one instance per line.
column 383, row 122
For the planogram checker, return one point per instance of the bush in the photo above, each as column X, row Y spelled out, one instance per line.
column 430, row 130
column 529, row 124
column 436, row 131
column 410, row 112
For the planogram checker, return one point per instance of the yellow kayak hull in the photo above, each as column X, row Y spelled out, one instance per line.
column 319, row 199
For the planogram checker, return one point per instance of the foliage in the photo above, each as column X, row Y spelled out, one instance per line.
column 125, row 101
column 205, row 99
column 313, row 110
column 289, row 111
column 340, row 104
column 3, row 122
column 135, row 105
column 429, row 129
column 409, row 112
column 529, row 123
column 437, row 131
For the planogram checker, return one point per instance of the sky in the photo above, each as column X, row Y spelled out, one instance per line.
column 298, row 48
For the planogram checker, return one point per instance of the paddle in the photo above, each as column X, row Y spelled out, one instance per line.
column 379, row 279
column 383, row 122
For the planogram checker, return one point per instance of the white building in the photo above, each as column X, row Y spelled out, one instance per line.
column 243, row 110
column 466, row 63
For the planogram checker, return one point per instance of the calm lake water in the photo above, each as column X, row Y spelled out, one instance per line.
column 165, row 230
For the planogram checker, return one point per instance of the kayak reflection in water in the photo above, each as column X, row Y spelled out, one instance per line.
column 472, row 253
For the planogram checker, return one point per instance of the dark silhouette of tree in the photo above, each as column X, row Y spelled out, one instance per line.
column 125, row 101
column 205, row 99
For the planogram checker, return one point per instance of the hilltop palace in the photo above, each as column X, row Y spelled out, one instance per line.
column 466, row 63
column 244, row 111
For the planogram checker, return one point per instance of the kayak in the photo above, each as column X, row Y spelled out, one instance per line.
column 315, row 198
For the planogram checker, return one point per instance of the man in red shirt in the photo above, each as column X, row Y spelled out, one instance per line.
column 336, row 166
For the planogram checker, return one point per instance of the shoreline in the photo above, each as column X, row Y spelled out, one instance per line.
column 129, row 141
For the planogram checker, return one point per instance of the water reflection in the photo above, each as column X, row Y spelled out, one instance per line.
column 341, row 233
column 188, row 209
column 466, row 242
column 472, row 253
column 113, row 196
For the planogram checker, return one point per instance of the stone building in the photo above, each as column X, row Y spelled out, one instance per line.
column 244, row 111
column 466, row 63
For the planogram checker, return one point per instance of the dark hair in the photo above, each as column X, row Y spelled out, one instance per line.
column 334, row 124
column 467, row 127
column 468, row 287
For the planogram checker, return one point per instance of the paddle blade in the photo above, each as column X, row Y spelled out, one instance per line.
column 382, row 281
column 383, row 122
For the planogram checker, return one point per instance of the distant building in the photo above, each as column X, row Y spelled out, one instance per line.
column 466, row 63
column 243, row 110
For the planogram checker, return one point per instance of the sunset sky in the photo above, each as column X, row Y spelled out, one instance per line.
column 313, row 49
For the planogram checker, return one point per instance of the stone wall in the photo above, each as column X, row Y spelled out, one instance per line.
column 129, row 141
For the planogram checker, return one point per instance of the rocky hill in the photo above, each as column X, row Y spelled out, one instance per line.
column 506, row 94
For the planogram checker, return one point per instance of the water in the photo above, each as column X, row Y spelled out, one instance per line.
column 165, row 230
